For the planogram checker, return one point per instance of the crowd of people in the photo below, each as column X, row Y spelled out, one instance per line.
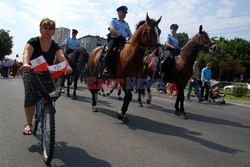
column 10, row 68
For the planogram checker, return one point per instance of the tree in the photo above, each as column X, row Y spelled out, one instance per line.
column 6, row 43
column 182, row 37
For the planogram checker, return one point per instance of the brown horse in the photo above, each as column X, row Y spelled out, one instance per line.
column 129, row 62
column 179, row 70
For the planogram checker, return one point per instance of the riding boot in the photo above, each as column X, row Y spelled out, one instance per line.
column 106, row 71
column 111, row 45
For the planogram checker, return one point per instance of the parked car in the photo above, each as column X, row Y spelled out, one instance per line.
column 231, row 87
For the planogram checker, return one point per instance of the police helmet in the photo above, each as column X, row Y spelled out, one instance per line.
column 74, row 31
column 174, row 26
column 122, row 9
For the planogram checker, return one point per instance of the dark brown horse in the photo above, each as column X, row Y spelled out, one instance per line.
column 129, row 62
column 180, row 69
column 77, row 61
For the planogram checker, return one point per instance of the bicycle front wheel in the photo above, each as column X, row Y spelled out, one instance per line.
column 48, row 132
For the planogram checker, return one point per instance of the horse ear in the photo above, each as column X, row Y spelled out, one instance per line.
column 148, row 20
column 158, row 21
column 200, row 29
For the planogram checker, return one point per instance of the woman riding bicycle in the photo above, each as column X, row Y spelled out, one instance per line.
column 35, row 47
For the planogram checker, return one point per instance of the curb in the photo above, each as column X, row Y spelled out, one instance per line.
column 237, row 102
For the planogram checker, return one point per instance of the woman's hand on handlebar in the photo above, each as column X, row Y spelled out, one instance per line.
column 26, row 67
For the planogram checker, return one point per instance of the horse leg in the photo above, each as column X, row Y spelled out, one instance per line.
column 149, row 100
column 75, row 86
column 139, row 97
column 68, row 85
column 183, row 114
column 62, row 84
column 127, row 98
column 119, row 94
column 94, row 99
column 177, row 110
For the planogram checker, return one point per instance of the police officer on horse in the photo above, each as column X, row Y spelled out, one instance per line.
column 119, row 31
column 71, row 43
column 171, row 47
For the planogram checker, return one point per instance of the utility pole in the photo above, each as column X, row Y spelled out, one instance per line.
column 221, row 58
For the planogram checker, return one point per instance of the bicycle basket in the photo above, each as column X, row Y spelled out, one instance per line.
column 47, row 84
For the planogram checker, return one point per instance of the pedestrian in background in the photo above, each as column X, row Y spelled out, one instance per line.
column 194, row 82
column 5, row 67
column 205, row 78
column 172, row 87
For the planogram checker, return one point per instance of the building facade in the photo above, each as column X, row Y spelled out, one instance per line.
column 90, row 42
column 60, row 35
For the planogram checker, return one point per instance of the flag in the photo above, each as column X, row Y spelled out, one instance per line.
column 39, row 64
column 57, row 70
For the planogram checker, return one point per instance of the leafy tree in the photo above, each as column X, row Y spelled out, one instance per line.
column 231, row 59
column 6, row 43
column 182, row 37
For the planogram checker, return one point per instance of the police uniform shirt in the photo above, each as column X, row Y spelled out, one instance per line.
column 121, row 27
column 72, row 43
column 173, row 40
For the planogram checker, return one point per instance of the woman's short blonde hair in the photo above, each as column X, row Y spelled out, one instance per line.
column 46, row 21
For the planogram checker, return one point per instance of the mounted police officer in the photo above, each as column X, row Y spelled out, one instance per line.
column 71, row 44
column 171, row 47
column 119, row 31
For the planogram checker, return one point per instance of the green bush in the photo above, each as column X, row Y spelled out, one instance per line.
column 240, row 89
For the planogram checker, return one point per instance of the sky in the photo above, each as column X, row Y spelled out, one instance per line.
column 220, row 18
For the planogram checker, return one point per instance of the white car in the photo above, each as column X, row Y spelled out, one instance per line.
column 231, row 87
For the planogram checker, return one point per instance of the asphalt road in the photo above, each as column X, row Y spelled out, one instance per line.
column 214, row 135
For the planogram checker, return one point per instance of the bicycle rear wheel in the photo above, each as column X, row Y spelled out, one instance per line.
column 35, row 119
column 48, row 132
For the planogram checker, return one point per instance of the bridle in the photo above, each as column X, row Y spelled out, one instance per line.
column 203, row 44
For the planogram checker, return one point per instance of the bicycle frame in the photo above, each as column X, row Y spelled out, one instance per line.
column 45, row 114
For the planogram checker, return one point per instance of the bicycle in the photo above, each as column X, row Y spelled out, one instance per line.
column 45, row 114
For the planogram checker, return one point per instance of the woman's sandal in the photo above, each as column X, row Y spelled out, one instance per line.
column 27, row 132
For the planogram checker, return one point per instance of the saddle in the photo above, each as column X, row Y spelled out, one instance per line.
column 115, row 54
column 164, row 62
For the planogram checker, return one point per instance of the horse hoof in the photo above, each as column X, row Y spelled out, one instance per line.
column 120, row 98
column 184, row 116
column 119, row 116
column 148, row 101
column 177, row 112
column 103, row 95
column 108, row 94
column 125, row 119
column 74, row 97
column 140, row 105
column 68, row 95
column 95, row 109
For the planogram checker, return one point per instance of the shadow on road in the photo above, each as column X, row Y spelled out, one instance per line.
column 71, row 156
column 137, row 122
column 200, row 118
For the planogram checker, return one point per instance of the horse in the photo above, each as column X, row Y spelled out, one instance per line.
column 77, row 61
column 179, row 70
column 128, row 64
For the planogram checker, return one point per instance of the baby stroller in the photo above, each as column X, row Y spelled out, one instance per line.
column 214, row 95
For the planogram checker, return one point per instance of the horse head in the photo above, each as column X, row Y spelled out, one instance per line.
column 205, row 42
column 150, row 32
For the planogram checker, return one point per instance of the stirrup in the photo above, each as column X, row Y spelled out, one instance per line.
column 106, row 72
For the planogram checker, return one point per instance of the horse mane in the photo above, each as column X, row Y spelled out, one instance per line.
column 140, row 23
column 195, row 39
